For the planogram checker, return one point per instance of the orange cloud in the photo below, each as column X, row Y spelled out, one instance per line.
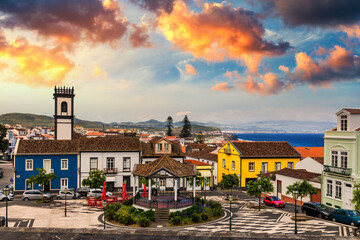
column 190, row 69
column 351, row 31
column 97, row 72
column 222, row 87
column 232, row 74
column 34, row 65
column 283, row 68
column 219, row 32
column 139, row 36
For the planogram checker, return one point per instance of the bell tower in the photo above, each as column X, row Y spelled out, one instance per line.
column 64, row 113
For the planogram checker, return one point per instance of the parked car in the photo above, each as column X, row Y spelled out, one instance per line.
column 273, row 201
column 346, row 216
column 83, row 191
column 3, row 197
column 97, row 192
column 35, row 195
column 316, row 209
column 69, row 195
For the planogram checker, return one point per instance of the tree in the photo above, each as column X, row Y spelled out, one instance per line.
column 186, row 130
column 95, row 179
column 303, row 187
column 254, row 188
column 198, row 181
column 200, row 137
column 169, row 126
column 42, row 178
column 229, row 181
column 356, row 197
column 3, row 142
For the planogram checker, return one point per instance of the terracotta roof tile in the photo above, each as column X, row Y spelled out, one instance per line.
column 266, row 149
column 195, row 162
column 294, row 173
column 148, row 149
column 204, row 154
column 110, row 144
column 47, row 147
column 319, row 160
column 352, row 110
column 310, row 151
column 165, row 162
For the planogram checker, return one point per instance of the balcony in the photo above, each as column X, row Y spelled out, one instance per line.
column 338, row 170
column 110, row 170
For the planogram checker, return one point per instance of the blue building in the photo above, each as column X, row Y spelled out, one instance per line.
column 55, row 156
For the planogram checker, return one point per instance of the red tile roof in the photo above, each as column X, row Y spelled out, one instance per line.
column 204, row 154
column 294, row 173
column 95, row 133
column 310, row 151
column 266, row 149
column 352, row 110
column 198, row 163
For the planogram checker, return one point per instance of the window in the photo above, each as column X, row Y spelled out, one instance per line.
column 28, row 164
column 228, row 149
column 338, row 190
column 63, row 107
column 64, row 164
column 93, row 164
column 63, row 183
column 264, row 167
column 224, row 163
column 251, row 166
column 329, row 188
column 47, row 165
column 110, row 163
column 162, row 182
column 126, row 166
column 233, row 165
column 344, row 159
column 28, row 186
column 277, row 166
column 291, row 165
column 160, row 147
column 334, row 158
column 166, row 146
column 343, row 123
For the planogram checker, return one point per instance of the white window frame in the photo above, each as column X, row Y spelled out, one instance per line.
column 263, row 164
column 67, row 164
column 329, row 188
column 166, row 147
column 61, row 183
column 251, row 166
column 44, row 160
column 162, row 182
column 338, row 190
column 334, row 158
column 224, row 163
column 32, row 165
column 110, row 161
column 291, row 164
column 344, row 159
column 126, row 169
column 97, row 163
column 233, row 165
column 277, row 166
column 343, row 122
column 160, row 148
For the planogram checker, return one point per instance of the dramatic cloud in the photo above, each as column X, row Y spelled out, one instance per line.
column 190, row 69
column 139, row 37
column 222, row 87
column 218, row 33
column 351, row 31
column 283, row 68
column 156, row 5
column 66, row 21
column 324, row 13
column 34, row 65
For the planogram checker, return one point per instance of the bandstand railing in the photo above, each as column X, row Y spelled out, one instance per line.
column 164, row 203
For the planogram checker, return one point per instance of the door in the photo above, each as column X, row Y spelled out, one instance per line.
column 347, row 196
column 110, row 186
column 278, row 187
column 127, row 181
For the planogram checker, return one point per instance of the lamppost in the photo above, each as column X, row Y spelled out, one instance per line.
column 295, row 193
column 230, row 198
column 6, row 193
column 65, row 191
column 104, row 204
column 259, row 195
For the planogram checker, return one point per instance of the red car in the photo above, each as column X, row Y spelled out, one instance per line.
column 273, row 201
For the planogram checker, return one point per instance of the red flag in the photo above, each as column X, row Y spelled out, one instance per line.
column 103, row 195
column 144, row 191
column 124, row 191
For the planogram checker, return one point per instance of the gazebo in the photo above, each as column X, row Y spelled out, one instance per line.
column 163, row 168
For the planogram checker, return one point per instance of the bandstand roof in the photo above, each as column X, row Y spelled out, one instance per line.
column 164, row 166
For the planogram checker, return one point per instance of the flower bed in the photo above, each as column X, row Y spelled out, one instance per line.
column 128, row 215
column 202, row 211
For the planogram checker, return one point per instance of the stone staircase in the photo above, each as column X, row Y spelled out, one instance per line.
column 161, row 215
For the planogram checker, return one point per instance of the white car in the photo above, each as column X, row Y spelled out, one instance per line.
column 69, row 195
column 97, row 192
column 3, row 197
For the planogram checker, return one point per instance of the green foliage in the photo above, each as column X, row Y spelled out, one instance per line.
column 254, row 187
column 176, row 220
column 229, row 181
column 144, row 180
column 3, row 142
column 143, row 221
column 150, row 214
column 303, row 187
column 356, row 197
column 200, row 137
column 128, row 202
column 186, row 130
column 205, row 216
column 42, row 178
column 195, row 218
column 199, row 179
column 111, row 210
column 95, row 179
column 169, row 125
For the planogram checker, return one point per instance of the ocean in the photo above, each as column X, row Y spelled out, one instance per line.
column 295, row 139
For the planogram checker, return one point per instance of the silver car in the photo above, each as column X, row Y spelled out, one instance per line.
column 35, row 195
column 97, row 193
column 3, row 197
column 69, row 195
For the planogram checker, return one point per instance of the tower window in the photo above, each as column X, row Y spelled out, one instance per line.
column 64, row 107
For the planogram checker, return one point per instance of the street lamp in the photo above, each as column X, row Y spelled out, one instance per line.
column 259, row 195
column 295, row 194
column 230, row 199
column 6, row 193
column 104, row 204
column 65, row 191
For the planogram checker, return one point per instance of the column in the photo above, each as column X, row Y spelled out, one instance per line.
column 194, row 183
column 176, row 189
column 149, row 189
column 134, row 185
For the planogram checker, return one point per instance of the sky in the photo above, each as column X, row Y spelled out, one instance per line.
column 222, row 61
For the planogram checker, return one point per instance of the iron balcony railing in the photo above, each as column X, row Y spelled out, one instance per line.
column 110, row 170
column 339, row 170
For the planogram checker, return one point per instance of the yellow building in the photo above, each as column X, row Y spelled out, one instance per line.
column 248, row 159
column 206, row 171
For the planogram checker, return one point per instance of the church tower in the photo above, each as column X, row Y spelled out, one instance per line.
column 64, row 113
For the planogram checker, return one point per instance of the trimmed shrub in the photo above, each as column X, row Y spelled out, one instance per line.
column 216, row 212
column 127, row 218
column 111, row 210
column 204, row 216
column 195, row 217
column 143, row 221
column 128, row 202
column 150, row 214
column 176, row 220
